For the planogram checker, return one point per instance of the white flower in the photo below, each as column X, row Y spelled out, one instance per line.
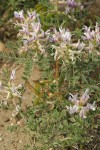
column 12, row 76
column 56, row 35
column 82, row 113
column 97, row 28
column 16, row 111
column 18, row 108
column 97, row 31
column 15, row 92
column 79, row 45
column 36, row 26
column 67, row 10
column 91, row 106
column 47, row 33
column 88, row 33
column 20, row 86
column 98, row 37
column 65, row 34
column 90, row 47
column 25, row 42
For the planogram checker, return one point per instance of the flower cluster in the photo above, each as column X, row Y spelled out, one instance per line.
column 60, row 40
column 68, row 5
column 71, row 5
column 30, row 29
column 66, row 53
column 80, row 104
column 33, row 36
column 64, row 47
column 61, row 35
column 92, row 36
column 69, row 51
column 10, row 89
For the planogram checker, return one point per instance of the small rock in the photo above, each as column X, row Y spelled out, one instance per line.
column 6, row 119
column 1, row 139
column 2, row 47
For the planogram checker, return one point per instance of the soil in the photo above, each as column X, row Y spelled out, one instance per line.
column 15, row 140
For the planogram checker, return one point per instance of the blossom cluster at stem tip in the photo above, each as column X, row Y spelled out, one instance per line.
column 71, row 5
column 33, row 37
column 80, row 105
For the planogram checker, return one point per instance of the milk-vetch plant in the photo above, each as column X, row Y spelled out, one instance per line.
column 67, row 65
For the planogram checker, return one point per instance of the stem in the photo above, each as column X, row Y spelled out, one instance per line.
column 73, row 77
column 56, row 5
column 57, row 75
column 32, row 88
column 20, row 111
column 57, row 68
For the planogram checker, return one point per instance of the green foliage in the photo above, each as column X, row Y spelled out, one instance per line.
column 13, row 5
column 56, row 129
column 6, row 14
column 27, row 69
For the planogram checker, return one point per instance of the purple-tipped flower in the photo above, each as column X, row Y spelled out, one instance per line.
column 30, row 29
column 85, row 97
column 19, row 15
column 62, row 35
column 86, row 109
column 71, row 3
column 90, row 106
column 74, row 98
column 32, row 15
column 80, row 105
column 92, row 35
column 25, row 30
column 83, row 112
column 80, row 100
column 88, row 33
column 72, row 109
